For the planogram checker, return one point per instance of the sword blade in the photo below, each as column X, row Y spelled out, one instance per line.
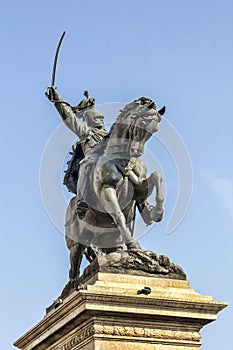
column 55, row 59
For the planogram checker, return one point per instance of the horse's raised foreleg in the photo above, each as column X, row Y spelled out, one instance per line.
column 110, row 202
column 155, row 180
column 149, row 212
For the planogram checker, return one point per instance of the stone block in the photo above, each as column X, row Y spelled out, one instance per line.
column 109, row 314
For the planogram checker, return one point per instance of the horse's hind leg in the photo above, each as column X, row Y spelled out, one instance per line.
column 112, row 207
column 76, row 255
column 76, row 249
column 90, row 254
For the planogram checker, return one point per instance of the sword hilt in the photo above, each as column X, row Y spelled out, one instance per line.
column 49, row 93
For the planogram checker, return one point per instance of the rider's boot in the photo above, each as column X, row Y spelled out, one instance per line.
column 81, row 208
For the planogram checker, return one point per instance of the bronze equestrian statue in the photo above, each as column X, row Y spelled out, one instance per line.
column 108, row 177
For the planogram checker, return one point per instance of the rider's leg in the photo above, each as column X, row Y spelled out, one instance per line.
column 81, row 205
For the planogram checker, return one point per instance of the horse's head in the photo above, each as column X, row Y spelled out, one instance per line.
column 137, row 121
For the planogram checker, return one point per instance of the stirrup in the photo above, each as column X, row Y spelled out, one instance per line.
column 81, row 208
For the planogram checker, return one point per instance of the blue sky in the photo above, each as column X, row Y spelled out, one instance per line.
column 180, row 53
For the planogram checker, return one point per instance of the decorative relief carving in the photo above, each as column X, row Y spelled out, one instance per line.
column 78, row 338
column 125, row 331
column 149, row 333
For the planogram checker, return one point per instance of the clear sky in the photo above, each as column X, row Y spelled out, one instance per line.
column 179, row 53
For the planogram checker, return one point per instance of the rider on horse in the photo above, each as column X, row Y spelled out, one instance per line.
column 85, row 152
column 90, row 135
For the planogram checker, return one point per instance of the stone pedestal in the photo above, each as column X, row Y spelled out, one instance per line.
column 107, row 313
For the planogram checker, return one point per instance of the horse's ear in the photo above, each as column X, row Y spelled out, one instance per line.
column 151, row 105
column 162, row 110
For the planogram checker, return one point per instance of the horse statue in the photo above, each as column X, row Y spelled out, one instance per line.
column 112, row 184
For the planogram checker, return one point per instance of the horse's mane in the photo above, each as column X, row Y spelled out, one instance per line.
column 122, row 124
column 126, row 111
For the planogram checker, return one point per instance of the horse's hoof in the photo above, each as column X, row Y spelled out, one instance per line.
column 74, row 280
column 160, row 218
column 133, row 245
column 80, row 287
column 57, row 302
column 156, row 215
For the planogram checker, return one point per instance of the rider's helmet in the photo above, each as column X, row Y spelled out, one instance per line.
column 85, row 110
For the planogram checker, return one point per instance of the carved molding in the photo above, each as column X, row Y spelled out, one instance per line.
column 77, row 339
column 126, row 331
column 147, row 332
